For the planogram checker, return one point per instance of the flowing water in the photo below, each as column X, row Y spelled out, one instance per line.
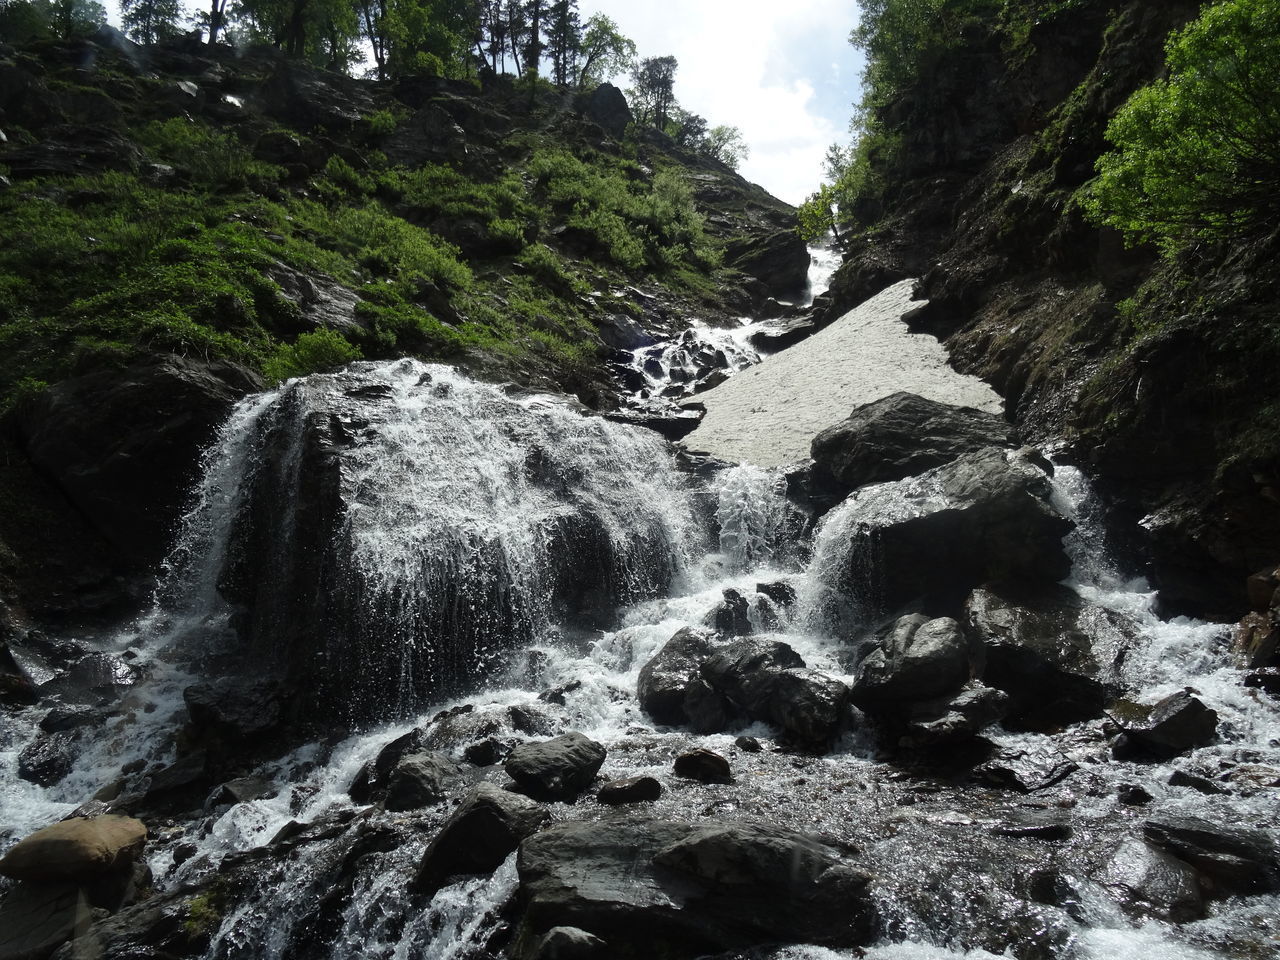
column 561, row 552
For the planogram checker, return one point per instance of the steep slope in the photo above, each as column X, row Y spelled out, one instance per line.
column 1158, row 373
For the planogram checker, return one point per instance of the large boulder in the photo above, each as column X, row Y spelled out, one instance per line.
column 779, row 260
column 900, row 436
column 985, row 516
column 919, row 659
column 124, row 445
column 487, row 826
column 1049, row 650
column 1178, row 723
column 556, row 769
column 665, row 679
column 607, row 108
column 1149, row 882
column 421, row 779
column 660, row 888
column 76, row 850
column 1232, row 860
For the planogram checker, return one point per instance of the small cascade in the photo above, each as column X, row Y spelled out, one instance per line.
column 758, row 525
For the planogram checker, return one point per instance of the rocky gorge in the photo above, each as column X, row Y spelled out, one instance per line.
column 429, row 659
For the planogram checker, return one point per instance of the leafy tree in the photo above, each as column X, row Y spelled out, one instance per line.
column 216, row 20
column 25, row 20
column 535, row 11
column 1198, row 154
column 148, row 21
column 653, row 96
column 564, row 40
column 432, row 36
column 605, row 52
column 726, row 145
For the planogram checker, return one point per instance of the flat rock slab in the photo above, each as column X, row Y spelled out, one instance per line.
column 770, row 413
column 76, row 850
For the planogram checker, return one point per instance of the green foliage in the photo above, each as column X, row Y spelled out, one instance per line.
column 1198, row 154
column 382, row 122
column 322, row 349
column 22, row 21
column 208, row 157
column 727, row 145
column 605, row 52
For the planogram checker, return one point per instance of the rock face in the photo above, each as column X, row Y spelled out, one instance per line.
column 131, row 482
column 660, row 888
column 1148, row 881
column 557, row 769
column 778, row 260
column 1232, row 860
column 1178, row 723
column 420, row 779
column 920, row 659
column 900, row 436
column 608, row 109
column 1047, row 649
column 983, row 517
column 665, row 679
column 486, row 827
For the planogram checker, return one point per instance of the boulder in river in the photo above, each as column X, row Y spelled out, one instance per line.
column 919, row 659
column 900, row 436
column 421, row 779
column 1178, row 723
column 1232, row 860
column 556, row 769
column 705, row 766
column 76, row 850
column 630, row 790
column 661, row 888
column 1150, row 882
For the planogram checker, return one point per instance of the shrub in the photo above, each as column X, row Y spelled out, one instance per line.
column 1198, row 154
column 321, row 349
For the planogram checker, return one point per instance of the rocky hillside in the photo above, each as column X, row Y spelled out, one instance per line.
column 1157, row 371
column 184, row 224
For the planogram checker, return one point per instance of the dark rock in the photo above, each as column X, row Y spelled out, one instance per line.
column 1133, row 795
column 785, row 333
column 810, row 706
column 1257, row 639
column 371, row 780
column 1232, row 860
column 244, row 790
column 320, row 300
column 47, row 759
column 779, row 592
column 665, row 679
column 486, row 827
column 1180, row 778
column 1049, row 826
column 748, row 744
column 69, row 717
column 660, row 888
column 124, row 445
column 485, row 753
column 557, row 695
column 17, row 688
column 181, row 782
column 36, row 918
column 746, row 672
column 91, row 678
column 953, row 718
column 570, row 943
column 1149, row 882
column 622, row 332
column 234, row 708
column 778, row 260
column 705, row 709
column 984, row 517
column 420, row 779
column 1042, row 646
column 704, row 766
column 557, row 769
column 630, row 790
column 1025, row 770
column 1178, row 723
column 607, row 108
column 920, row 659
column 1267, row 680
column 731, row 616
column 900, row 436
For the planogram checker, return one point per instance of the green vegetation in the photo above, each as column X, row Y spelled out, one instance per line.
column 1198, row 154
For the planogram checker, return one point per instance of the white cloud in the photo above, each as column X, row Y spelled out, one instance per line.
column 777, row 71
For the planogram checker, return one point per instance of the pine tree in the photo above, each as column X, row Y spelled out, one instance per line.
column 564, row 40
column 148, row 21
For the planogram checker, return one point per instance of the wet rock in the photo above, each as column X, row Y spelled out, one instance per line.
column 1178, row 723
column 371, row 779
column 420, row 779
column 703, row 765
column 1180, row 778
column 779, row 592
column 76, row 850
column 1026, row 770
column 235, row 709
column 570, row 943
column 481, row 833
column 69, row 717
column 485, row 753
column 984, row 517
column 661, row 888
column 630, row 790
column 1267, row 680
column 783, row 334
column 900, row 436
column 1041, row 646
column 184, row 781
column 748, row 744
column 746, row 672
column 664, row 679
column 810, row 706
column 954, row 718
column 92, row 678
column 557, row 769
column 243, row 790
column 731, row 617
column 705, row 709
column 622, row 332
column 36, row 918
column 1033, row 825
column 1257, row 639
column 320, row 300
column 1231, row 860
column 1149, row 882
column 1133, row 795
column 920, row 659
column 124, row 445
column 17, row 689
column 47, row 759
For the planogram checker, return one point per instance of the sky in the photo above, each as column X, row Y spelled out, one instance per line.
column 781, row 72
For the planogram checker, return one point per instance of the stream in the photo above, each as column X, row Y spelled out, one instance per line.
column 528, row 561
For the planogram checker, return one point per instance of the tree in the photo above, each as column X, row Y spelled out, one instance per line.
column 654, row 96
column 1198, row 153
column 216, row 20
column 66, row 19
column 148, row 21
column 533, row 46
column 726, row 145
column 605, row 52
column 564, row 40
